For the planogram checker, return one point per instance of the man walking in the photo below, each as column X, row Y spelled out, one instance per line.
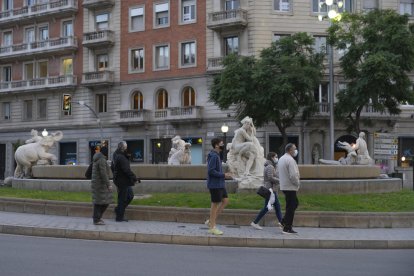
column 124, row 179
column 215, row 184
column 289, row 184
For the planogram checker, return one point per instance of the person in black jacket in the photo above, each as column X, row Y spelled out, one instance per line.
column 124, row 179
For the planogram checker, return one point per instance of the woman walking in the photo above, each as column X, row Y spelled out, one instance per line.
column 270, row 181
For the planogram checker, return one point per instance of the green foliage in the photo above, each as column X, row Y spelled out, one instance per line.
column 273, row 88
column 402, row 201
column 379, row 54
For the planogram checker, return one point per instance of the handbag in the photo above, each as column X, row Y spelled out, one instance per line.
column 263, row 192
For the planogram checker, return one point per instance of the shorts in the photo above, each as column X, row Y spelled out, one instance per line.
column 217, row 195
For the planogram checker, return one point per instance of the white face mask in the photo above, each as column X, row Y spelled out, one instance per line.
column 276, row 160
column 295, row 153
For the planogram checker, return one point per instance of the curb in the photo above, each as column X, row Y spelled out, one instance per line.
column 198, row 215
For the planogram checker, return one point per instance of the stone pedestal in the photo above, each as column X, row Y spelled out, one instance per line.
column 249, row 183
column 407, row 177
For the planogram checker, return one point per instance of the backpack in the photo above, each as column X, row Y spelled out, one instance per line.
column 88, row 173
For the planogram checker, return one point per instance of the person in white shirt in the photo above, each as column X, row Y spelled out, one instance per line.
column 289, row 179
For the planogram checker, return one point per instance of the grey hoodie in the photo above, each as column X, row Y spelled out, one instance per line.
column 270, row 179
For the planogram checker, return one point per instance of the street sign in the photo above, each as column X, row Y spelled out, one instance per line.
column 385, row 146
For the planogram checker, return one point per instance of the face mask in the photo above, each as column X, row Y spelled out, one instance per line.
column 275, row 160
column 295, row 153
column 221, row 147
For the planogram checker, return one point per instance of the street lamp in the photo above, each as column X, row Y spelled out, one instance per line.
column 224, row 129
column 332, row 8
column 45, row 133
column 98, row 120
column 403, row 159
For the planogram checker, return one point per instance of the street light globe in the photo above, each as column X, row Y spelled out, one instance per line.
column 332, row 14
column 329, row 2
column 340, row 4
column 224, row 128
column 44, row 133
column 403, row 159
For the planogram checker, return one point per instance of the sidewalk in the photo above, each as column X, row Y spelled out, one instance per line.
column 196, row 234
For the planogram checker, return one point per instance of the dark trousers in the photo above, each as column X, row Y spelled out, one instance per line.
column 125, row 196
column 98, row 210
column 292, row 203
column 264, row 210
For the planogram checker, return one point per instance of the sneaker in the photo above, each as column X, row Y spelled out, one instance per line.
column 215, row 231
column 280, row 225
column 256, row 226
column 289, row 232
column 99, row 222
column 207, row 222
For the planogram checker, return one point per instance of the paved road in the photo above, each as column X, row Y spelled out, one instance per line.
column 27, row 256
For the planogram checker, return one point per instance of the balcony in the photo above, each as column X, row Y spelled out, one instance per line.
column 133, row 117
column 231, row 19
column 24, row 15
column 50, row 83
column 61, row 45
column 215, row 64
column 99, row 39
column 99, row 78
column 93, row 4
column 179, row 114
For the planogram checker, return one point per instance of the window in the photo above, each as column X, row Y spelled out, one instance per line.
column 162, row 57
column 41, row 108
column 43, row 33
column 102, row 21
column 137, row 59
column 31, row 2
column 407, row 7
column 370, row 4
column 188, row 97
column 6, row 111
column 231, row 45
column 29, row 35
column 188, row 10
column 7, row 39
column 347, row 6
column 161, row 14
column 101, row 103
column 6, row 74
column 136, row 16
column 188, row 53
column 29, row 71
column 231, row 5
column 277, row 37
column 281, row 5
column 67, row 66
column 28, row 110
column 162, row 99
column 67, row 28
column 102, row 62
column 320, row 44
column 321, row 93
column 137, row 101
column 42, row 70
column 7, row 5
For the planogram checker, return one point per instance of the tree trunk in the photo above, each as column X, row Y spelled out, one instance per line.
column 282, row 130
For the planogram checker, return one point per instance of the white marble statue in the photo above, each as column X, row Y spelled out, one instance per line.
column 245, row 158
column 180, row 152
column 357, row 154
column 35, row 152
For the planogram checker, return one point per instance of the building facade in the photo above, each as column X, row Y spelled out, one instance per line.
column 140, row 71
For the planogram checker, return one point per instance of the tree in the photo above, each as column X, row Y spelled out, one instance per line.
column 275, row 87
column 379, row 53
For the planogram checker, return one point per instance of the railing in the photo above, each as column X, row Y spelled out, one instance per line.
column 38, row 10
column 182, row 111
column 41, row 83
column 38, row 46
column 98, row 78
column 95, row 3
column 133, row 116
column 129, row 114
column 231, row 17
column 322, row 107
column 160, row 114
column 98, row 37
column 215, row 63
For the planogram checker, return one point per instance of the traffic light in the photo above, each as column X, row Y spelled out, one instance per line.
column 67, row 102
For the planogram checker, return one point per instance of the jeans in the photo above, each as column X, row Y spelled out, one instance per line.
column 125, row 196
column 264, row 210
column 98, row 210
column 292, row 203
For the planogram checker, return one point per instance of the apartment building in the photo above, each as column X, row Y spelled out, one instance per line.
column 140, row 71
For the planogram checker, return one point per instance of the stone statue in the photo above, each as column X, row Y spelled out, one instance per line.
column 245, row 158
column 35, row 153
column 316, row 153
column 180, row 152
column 357, row 154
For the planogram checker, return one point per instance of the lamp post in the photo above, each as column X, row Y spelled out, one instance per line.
column 98, row 120
column 403, row 159
column 224, row 129
column 332, row 9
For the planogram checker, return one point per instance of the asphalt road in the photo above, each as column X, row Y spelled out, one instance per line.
column 26, row 256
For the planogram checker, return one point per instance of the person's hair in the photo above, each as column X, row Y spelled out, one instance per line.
column 215, row 141
column 122, row 145
column 288, row 147
column 271, row 155
column 104, row 151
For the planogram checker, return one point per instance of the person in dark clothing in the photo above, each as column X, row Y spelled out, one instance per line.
column 124, row 179
column 101, row 187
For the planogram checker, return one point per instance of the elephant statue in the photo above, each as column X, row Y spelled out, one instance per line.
column 35, row 152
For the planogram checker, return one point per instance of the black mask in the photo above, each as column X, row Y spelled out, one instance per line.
column 221, row 148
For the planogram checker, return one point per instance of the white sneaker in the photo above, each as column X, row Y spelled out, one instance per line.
column 207, row 222
column 256, row 226
column 215, row 231
column 280, row 225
